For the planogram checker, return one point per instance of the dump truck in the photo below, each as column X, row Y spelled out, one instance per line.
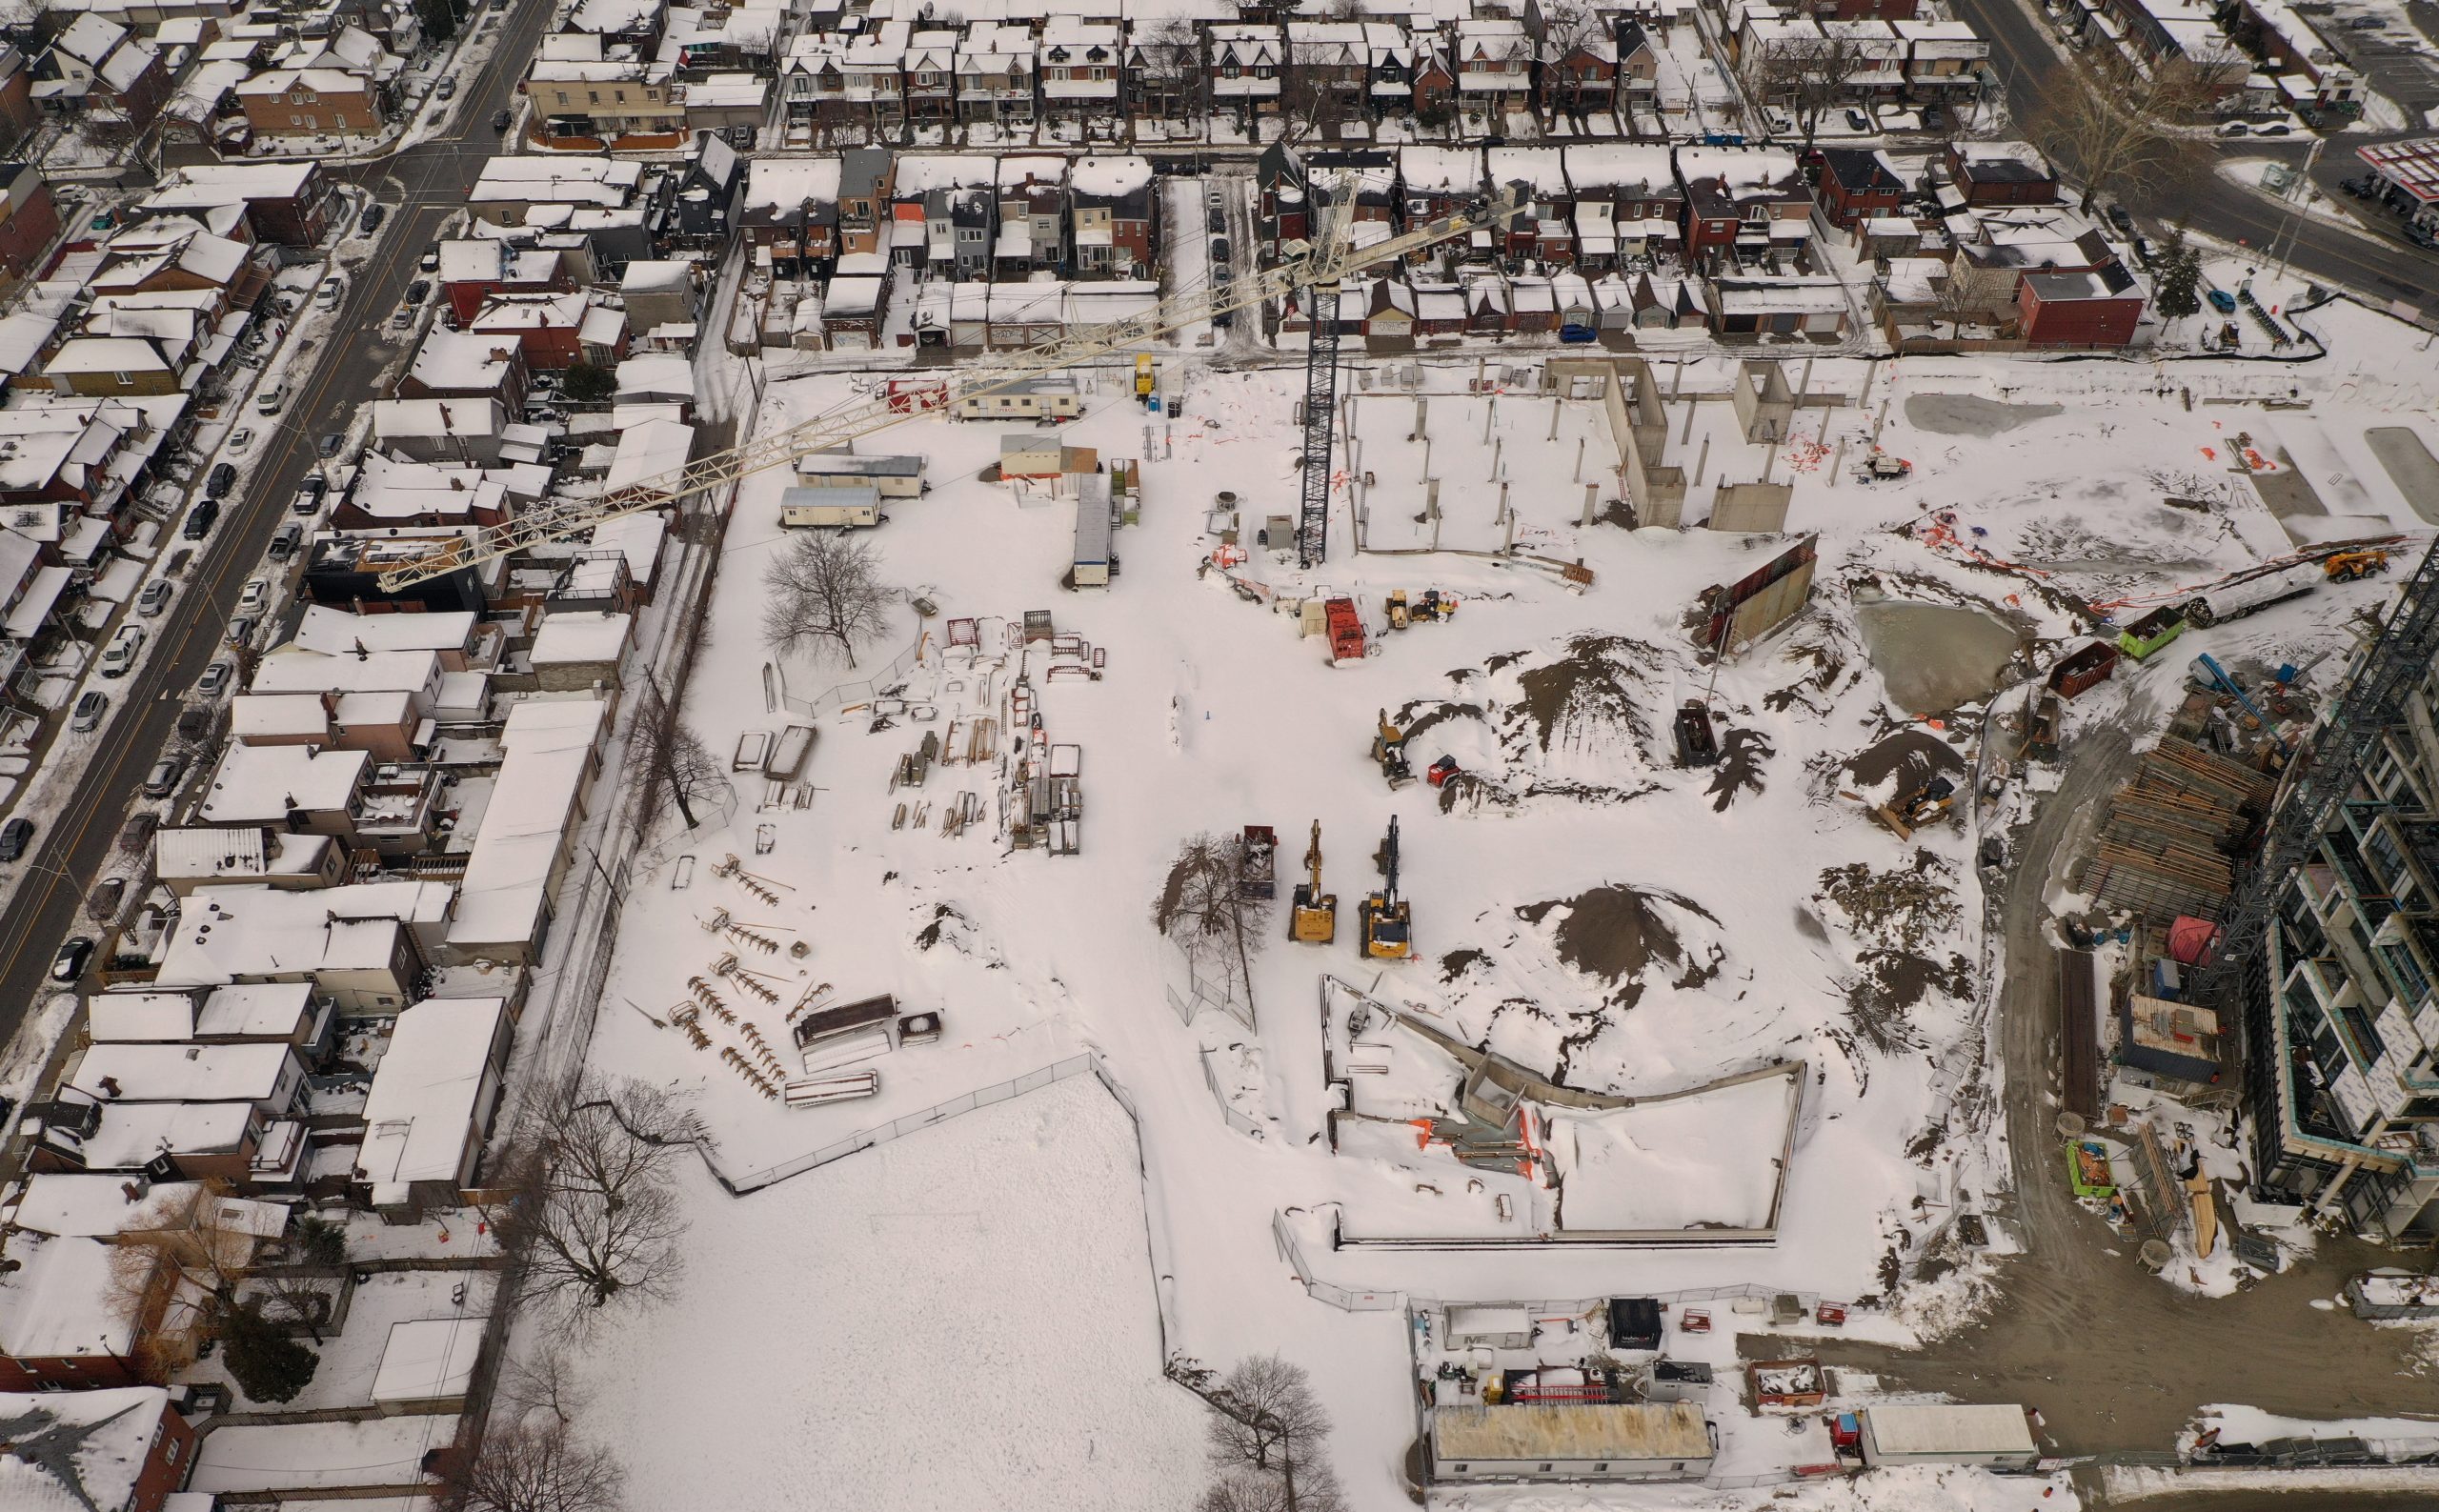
column 1996, row 1438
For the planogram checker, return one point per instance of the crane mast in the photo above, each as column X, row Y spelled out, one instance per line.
column 1321, row 266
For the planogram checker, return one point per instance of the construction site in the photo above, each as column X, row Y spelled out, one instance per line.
column 1508, row 831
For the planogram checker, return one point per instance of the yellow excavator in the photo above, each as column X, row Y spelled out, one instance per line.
column 1388, row 923
column 1389, row 750
column 1312, row 917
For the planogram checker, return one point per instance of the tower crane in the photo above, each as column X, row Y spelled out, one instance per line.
column 1322, row 265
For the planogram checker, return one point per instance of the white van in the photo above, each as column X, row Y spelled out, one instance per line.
column 271, row 399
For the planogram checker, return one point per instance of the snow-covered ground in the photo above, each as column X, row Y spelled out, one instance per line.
column 1584, row 907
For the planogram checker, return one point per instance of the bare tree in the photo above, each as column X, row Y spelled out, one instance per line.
column 2115, row 128
column 543, row 1382
column 1169, row 69
column 1806, row 74
column 526, row 1468
column 1567, row 25
column 825, row 589
column 1203, row 907
column 1972, row 291
column 1266, row 1422
column 667, row 762
column 176, row 1271
column 588, row 1207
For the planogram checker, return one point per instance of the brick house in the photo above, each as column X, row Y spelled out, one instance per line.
column 1117, row 229
column 1581, row 80
column 311, row 102
column 1627, row 192
column 867, row 183
column 98, row 64
column 2098, row 308
column 1246, row 63
column 1744, row 202
column 472, row 271
column 1857, row 184
column 16, row 91
column 29, row 217
column 2001, row 173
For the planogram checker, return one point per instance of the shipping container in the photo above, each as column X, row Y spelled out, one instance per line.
column 1998, row 1437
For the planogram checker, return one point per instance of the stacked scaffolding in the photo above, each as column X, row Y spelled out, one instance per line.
column 2168, row 844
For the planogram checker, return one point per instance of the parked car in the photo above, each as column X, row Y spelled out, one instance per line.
column 500, row 119
column 2223, row 301
column 2119, row 218
column 200, row 519
column 108, row 895
column 2421, row 237
column 334, row 443
column 241, row 439
column 74, row 953
column 447, row 90
column 163, row 780
column 254, row 597
column 215, row 677
column 272, row 398
column 328, row 296
column 1856, row 120
column 218, row 482
column 15, row 837
column 241, row 631
column 2235, row 128
column 2275, row 129
column 89, row 711
column 118, row 658
column 285, row 541
column 430, row 260
column 1221, row 272
column 402, row 317
column 374, row 215
column 154, row 598
column 419, row 291
column 1217, row 219
column 1218, row 249
column 2142, row 250
column 308, row 494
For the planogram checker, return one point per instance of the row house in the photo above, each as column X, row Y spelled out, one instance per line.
column 1857, row 184
column 1579, row 76
column 585, row 101
column 1032, row 214
column 1389, row 55
column 789, row 209
column 931, row 77
column 634, row 24
column 1988, row 174
column 1247, row 68
column 2312, row 76
column 96, row 65
column 874, row 75
column 1544, row 227
column 867, row 185
column 1944, row 60
column 1742, row 203
column 1878, row 73
column 1117, row 216
column 994, row 75
column 1638, row 66
column 1494, row 61
column 1628, row 204
column 1079, row 72
column 1162, row 75
column 1329, row 74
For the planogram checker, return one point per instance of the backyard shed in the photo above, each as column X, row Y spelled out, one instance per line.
column 1667, row 1441
column 426, row 1364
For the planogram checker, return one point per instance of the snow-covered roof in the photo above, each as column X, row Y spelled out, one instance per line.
column 1441, row 170
column 1641, row 165
column 139, row 1017
column 648, row 452
column 254, row 1010
column 76, row 1451
column 339, row 632
column 786, row 183
column 59, row 1302
column 182, row 1073
column 663, row 374
column 255, row 930
column 97, row 1206
column 557, row 178
column 549, row 748
column 582, row 638
column 400, row 419
column 1110, row 176
column 428, row 1359
column 464, row 361
column 130, row 1134
column 261, row 784
column 428, row 1090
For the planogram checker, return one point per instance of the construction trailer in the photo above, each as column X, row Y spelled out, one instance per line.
column 841, row 506
column 1624, row 1441
column 1095, row 561
column 1051, row 399
column 1996, row 1438
column 892, row 476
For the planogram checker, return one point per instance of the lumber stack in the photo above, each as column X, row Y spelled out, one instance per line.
column 2169, row 844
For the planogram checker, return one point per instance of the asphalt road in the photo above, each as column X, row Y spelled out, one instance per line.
column 2380, row 264
column 423, row 186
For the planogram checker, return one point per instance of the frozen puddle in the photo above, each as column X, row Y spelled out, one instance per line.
column 1966, row 414
column 2410, row 464
column 1933, row 657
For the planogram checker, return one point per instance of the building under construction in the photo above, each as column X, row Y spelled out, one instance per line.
column 2330, row 946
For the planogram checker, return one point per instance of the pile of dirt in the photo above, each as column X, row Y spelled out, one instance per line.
column 1913, row 756
column 1882, row 996
column 1909, row 908
column 1461, row 964
column 1589, row 691
column 1614, row 933
column 1418, row 715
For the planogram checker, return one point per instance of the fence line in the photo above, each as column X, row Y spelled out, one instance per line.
column 1234, row 1119
column 861, row 689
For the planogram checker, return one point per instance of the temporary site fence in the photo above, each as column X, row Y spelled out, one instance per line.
column 876, row 682
column 1234, row 1119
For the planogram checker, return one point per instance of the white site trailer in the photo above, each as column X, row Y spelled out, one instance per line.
column 1998, row 1437
column 894, row 476
column 853, row 505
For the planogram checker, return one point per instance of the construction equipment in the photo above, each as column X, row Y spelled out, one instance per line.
column 1256, row 863
column 1441, row 771
column 1322, row 264
column 1345, row 630
column 1430, row 606
column 1879, row 467
column 1910, row 812
column 1388, row 921
column 1312, row 916
column 1389, row 750
column 2345, row 567
column 1697, row 745
column 1145, row 377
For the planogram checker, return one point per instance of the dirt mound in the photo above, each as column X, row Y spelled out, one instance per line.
column 1587, row 690
column 1879, row 998
column 1913, row 757
column 1614, row 933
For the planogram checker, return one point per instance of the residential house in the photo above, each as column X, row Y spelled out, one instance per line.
column 1116, row 225
column 1329, row 74
column 1857, row 184
column 1544, row 227
column 1282, row 208
column 1247, row 66
column 1945, row 61
column 634, row 26
column 18, row 113
column 1437, row 181
column 957, row 228
column 131, row 1449
column 1638, row 66
column 1494, row 64
column 1628, row 193
column 289, row 203
column 2100, row 308
column 364, row 945
column 586, row 101
column 1744, row 203
column 873, row 79
column 464, row 365
column 1388, row 58
column 867, row 185
column 1580, row 73
column 1033, row 217
column 473, row 272
column 95, row 66
column 1163, row 75
column 1990, row 174
column 1081, row 74
column 431, row 1105
column 931, row 77
column 29, row 218
column 699, row 213
column 311, row 102
column 996, row 76
column 530, row 834
column 790, row 206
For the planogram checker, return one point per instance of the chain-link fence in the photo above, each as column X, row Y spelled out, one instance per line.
column 1228, row 1111
column 895, row 1128
column 876, row 681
